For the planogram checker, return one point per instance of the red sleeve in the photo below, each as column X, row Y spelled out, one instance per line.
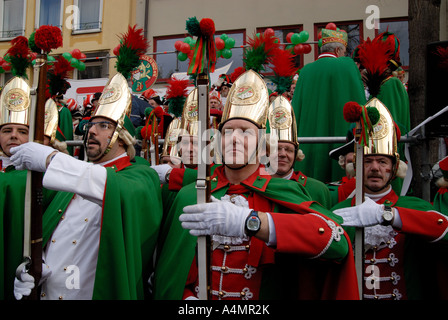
column 176, row 179
column 192, row 281
column 431, row 225
column 306, row 234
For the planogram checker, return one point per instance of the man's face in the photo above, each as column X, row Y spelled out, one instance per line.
column 100, row 131
column 239, row 142
column 215, row 104
column 377, row 173
column 285, row 158
column 13, row 135
column 225, row 91
column 189, row 150
column 153, row 103
column 348, row 159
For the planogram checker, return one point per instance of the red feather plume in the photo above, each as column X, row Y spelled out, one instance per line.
column 283, row 63
column 19, row 47
column 236, row 73
column 374, row 57
column 177, row 88
column 135, row 40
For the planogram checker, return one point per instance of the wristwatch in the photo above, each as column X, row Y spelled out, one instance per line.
column 253, row 224
column 388, row 216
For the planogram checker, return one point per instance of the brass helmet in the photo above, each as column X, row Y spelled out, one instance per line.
column 51, row 120
column 190, row 117
column 282, row 122
column 15, row 102
column 170, row 145
column 115, row 104
column 384, row 140
column 248, row 99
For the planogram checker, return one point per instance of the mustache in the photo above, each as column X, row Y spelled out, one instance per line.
column 92, row 140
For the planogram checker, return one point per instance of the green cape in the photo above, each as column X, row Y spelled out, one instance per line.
column 322, row 90
column 132, row 214
column 177, row 247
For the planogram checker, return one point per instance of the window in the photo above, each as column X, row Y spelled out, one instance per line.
column 281, row 33
column 354, row 31
column 89, row 16
column 167, row 58
column 12, row 18
column 167, row 61
column 399, row 27
column 49, row 13
column 97, row 66
column 237, row 52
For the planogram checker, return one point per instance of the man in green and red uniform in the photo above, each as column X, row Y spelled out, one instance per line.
column 397, row 230
column 97, row 227
column 293, row 233
column 14, row 131
column 322, row 90
column 283, row 133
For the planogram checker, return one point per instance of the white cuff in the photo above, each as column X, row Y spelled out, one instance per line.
column 65, row 173
column 272, row 234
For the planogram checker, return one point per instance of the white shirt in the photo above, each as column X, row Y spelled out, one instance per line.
column 72, row 251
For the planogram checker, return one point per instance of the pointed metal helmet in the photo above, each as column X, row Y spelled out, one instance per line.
column 383, row 140
column 51, row 120
column 15, row 102
column 282, row 122
column 115, row 104
column 170, row 145
column 248, row 99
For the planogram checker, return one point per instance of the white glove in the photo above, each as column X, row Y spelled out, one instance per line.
column 24, row 282
column 162, row 170
column 215, row 218
column 367, row 214
column 31, row 156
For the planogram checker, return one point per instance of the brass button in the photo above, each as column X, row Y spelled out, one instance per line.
column 321, row 230
column 243, row 294
column 86, row 220
column 440, row 221
column 214, row 179
column 224, row 269
column 43, row 294
column 53, row 241
column 226, row 247
column 74, row 242
column 247, row 247
column 221, row 294
column 61, row 298
column 372, row 260
column 245, row 270
column 60, row 210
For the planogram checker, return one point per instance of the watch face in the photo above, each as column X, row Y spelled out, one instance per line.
column 253, row 224
column 388, row 216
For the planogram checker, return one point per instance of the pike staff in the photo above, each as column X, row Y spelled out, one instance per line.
column 32, row 245
column 202, row 62
column 365, row 118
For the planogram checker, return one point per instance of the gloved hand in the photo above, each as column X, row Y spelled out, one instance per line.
column 162, row 170
column 24, row 282
column 215, row 218
column 367, row 214
column 31, row 156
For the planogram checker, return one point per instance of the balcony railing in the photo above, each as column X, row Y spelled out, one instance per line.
column 87, row 27
column 10, row 34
